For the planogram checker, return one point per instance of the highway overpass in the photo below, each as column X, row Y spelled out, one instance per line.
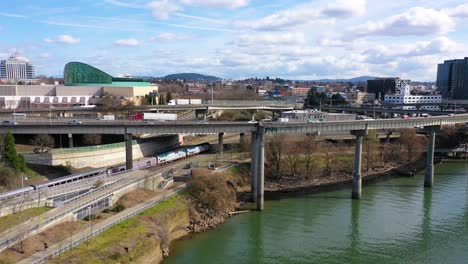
column 358, row 128
column 216, row 105
column 370, row 110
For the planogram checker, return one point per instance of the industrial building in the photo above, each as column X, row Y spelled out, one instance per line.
column 386, row 86
column 84, row 85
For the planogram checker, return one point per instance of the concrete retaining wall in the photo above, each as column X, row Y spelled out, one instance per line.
column 102, row 158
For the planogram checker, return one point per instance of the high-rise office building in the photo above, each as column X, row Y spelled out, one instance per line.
column 452, row 79
column 16, row 68
column 386, row 86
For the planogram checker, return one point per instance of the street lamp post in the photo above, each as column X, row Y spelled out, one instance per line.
column 23, row 178
column 212, row 94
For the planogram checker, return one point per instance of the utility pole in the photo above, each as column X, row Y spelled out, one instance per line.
column 212, row 94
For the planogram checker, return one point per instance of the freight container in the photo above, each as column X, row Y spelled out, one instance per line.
column 195, row 101
column 159, row 116
column 107, row 117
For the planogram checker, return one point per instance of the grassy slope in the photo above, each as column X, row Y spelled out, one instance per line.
column 11, row 220
column 135, row 233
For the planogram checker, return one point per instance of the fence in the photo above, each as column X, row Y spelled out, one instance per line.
column 13, row 239
column 85, row 235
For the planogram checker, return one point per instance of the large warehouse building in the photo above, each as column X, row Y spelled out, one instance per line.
column 84, row 85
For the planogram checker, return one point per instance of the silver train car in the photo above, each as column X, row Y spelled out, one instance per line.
column 159, row 159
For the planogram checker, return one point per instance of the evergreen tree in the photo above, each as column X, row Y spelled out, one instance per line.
column 13, row 159
column 338, row 99
column 168, row 97
column 162, row 100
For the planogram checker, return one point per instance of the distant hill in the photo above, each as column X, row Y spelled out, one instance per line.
column 191, row 77
column 353, row 80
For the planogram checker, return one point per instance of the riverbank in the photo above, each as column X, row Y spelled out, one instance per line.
column 324, row 184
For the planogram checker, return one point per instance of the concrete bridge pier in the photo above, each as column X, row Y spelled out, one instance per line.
column 220, row 143
column 128, row 151
column 70, row 140
column 259, row 144
column 357, row 177
column 429, row 174
column 253, row 171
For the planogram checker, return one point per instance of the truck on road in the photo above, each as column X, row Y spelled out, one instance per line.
column 159, row 116
column 106, row 117
column 185, row 102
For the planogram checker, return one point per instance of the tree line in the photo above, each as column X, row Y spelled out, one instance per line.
column 310, row 158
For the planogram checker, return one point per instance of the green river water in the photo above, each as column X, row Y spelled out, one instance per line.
column 396, row 221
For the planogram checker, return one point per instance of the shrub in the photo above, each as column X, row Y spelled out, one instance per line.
column 91, row 217
column 119, row 208
column 106, row 211
column 211, row 191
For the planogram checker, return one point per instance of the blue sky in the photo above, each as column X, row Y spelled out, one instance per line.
column 294, row 39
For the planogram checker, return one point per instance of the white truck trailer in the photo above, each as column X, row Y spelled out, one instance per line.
column 159, row 116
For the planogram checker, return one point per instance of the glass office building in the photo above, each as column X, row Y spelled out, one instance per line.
column 452, row 79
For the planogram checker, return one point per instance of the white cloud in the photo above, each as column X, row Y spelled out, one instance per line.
column 163, row 8
column 217, row 3
column 458, row 11
column 127, row 42
column 345, row 8
column 281, row 38
column 168, row 36
column 380, row 54
column 122, row 4
column 416, row 21
column 63, row 39
column 308, row 13
column 12, row 15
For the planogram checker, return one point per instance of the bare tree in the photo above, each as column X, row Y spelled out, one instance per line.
column 292, row 158
column 92, row 139
column 371, row 147
column 310, row 146
column 274, row 155
column 330, row 158
column 43, row 141
column 413, row 143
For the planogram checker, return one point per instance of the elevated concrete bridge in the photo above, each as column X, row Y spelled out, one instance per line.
column 358, row 128
column 216, row 105
column 383, row 110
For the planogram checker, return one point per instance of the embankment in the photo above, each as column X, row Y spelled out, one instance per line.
column 101, row 155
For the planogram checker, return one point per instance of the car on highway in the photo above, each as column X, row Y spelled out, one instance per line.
column 202, row 122
column 9, row 123
column 74, row 122
column 253, row 122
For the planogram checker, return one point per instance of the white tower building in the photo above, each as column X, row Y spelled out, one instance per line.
column 16, row 68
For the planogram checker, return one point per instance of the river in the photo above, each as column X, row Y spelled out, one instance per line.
column 396, row 221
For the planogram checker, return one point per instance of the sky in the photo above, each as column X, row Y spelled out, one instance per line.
column 237, row 39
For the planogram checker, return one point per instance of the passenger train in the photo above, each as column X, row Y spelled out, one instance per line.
column 160, row 159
